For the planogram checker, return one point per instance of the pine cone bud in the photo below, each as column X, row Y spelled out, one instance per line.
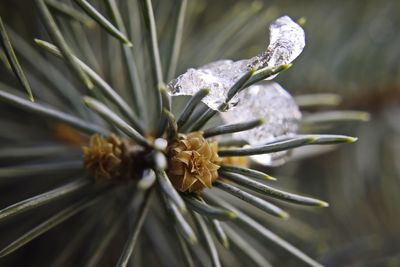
column 104, row 157
column 193, row 162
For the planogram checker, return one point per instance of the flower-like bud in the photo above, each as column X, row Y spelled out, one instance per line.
column 104, row 158
column 193, row 162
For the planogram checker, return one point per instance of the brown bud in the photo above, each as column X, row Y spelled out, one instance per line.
column 104, row 157
column 193, row 162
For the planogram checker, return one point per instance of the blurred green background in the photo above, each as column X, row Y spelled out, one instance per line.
column 353, row 49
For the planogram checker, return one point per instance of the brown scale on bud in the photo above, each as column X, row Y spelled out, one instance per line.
column 111, row 159
column 192, row 162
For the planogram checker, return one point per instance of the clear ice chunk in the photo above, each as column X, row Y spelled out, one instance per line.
column 267, row 100
column 218, row 76
column 287, row 40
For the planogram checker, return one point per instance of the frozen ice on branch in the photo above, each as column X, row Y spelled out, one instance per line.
column 287, row 41
column 267, row 100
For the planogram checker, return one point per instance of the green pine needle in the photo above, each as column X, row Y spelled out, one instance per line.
column 13, row 61
column 102, row 21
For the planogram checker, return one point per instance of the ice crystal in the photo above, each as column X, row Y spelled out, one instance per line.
column 217, row 76
column 267, row 100
column 287, row 40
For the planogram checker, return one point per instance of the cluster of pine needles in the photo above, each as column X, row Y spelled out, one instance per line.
column 73, row 102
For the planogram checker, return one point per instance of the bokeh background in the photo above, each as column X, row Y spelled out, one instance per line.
column 353, row 49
